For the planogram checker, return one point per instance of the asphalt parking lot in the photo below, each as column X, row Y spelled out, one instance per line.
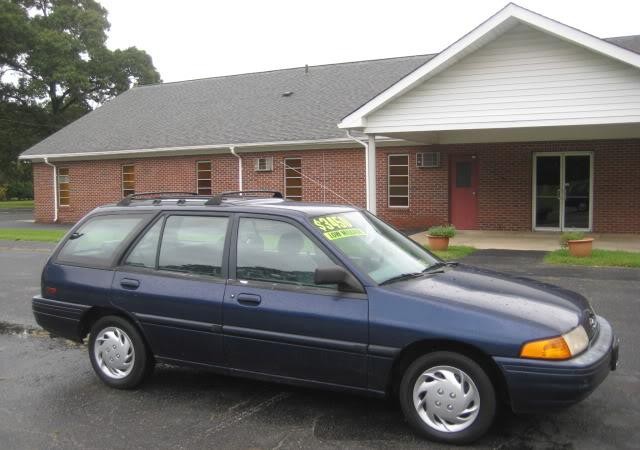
column 23, row 218
column 51, row 399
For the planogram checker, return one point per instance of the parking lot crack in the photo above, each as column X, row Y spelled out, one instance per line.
column 246, row 413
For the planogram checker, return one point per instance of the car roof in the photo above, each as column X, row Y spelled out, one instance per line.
column 238, row 205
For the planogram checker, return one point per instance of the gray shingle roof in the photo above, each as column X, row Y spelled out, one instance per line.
column 629, row 42
column 248, row 108
column 238, row 109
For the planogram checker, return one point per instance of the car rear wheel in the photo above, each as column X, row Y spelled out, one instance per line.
column 118, row 353
column 448, row 397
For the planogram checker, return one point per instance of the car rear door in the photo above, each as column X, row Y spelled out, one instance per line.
column 277, row 321
column 173, row 280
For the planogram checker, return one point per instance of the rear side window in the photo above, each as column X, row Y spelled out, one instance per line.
column 145, row 251
column 193, row 244
column 98, row 239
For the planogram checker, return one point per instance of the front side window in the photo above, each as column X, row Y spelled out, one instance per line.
column 373, row 246
column 98, row 239
column 278, row 252
column 193, row 244
column 63, row 186
column 398, row 175
column 128, row 180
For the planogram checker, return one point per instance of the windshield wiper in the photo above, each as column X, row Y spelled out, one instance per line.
column 402, row 276
column 438, row 267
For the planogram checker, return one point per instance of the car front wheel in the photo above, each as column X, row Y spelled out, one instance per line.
column 118, row 353
column 448, row 397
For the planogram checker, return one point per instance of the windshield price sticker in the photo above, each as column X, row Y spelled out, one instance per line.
column 336, row 227
column 339, row 234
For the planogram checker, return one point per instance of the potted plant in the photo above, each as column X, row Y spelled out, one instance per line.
column 439, row 236
column 578, row 245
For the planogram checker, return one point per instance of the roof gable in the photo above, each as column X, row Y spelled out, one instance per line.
column 488, row 31
column 523, row 78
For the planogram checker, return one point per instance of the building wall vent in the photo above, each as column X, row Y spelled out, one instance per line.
column 263, row 164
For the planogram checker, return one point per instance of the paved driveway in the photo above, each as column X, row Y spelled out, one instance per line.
column 51, row 399
column 23, row 218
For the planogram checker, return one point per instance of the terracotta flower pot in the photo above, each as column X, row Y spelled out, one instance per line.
column 580, row 248
column 438, row 242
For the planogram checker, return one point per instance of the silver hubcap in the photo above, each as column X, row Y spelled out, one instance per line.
column 114, row 352
column 446, row 399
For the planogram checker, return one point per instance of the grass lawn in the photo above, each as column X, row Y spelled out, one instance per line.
column 454, row 252
column 26, row 234
column 11, row 204
column 612, row 258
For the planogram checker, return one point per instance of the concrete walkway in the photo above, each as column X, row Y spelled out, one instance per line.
column 517, row 240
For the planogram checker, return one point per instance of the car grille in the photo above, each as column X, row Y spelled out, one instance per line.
column 590, row 323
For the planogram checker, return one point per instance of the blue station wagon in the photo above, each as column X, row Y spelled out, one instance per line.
column 327, row 296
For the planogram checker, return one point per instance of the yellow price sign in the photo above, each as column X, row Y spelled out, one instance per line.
column 336, row 227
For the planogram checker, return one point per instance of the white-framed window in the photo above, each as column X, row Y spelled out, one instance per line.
column 203, row 177
column 64, row 186
column 128, row 179
column 398, row 181
column 293, row 179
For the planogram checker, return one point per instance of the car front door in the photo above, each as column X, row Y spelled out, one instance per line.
column 277, row 321
column 173, row 280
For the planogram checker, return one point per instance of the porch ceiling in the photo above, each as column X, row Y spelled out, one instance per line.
column 531, row 134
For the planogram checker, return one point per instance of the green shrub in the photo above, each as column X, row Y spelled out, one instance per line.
column 442, row 231
column 3, row 192
column 20, row 190
column 570, row 236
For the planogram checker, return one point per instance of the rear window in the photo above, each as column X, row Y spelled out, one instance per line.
column 96, row 241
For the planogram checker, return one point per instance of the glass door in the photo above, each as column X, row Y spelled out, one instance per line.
column 562, row 191
column 547, row 196
column 577, row 191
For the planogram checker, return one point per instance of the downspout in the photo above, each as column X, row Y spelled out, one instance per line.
column 55, row 189
column 233, row 152
column 366, row 166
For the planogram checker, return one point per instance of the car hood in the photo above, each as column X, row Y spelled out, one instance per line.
column 547, row 306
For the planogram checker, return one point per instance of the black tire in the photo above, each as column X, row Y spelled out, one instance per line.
column 473, row 370
column 142, row 361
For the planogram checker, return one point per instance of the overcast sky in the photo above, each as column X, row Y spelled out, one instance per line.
column 202, row 38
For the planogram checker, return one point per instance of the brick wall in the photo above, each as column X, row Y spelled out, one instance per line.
column 95, row 183
column 504, row 193
column 505, row 184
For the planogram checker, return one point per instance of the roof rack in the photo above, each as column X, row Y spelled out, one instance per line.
column 217, row 199
column 157, row 197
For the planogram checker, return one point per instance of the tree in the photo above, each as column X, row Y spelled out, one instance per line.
column 55, row 66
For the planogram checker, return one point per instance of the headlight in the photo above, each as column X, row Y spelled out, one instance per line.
column 562, row 347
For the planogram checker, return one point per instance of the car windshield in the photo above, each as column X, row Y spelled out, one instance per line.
column 373, row 246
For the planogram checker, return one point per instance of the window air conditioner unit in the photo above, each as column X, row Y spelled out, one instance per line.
column 428, row 160
column 264, row 164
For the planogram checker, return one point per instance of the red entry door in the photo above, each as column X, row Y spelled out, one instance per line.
column 464, row 189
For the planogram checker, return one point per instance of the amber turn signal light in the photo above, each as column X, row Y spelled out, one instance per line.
column 554, row 348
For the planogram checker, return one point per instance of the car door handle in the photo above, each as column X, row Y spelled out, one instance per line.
column 249, row 299
column 128, row 283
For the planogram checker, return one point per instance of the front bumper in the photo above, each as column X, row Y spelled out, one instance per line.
column 536, row 385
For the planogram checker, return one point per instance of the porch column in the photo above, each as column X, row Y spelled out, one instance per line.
column 370, row 173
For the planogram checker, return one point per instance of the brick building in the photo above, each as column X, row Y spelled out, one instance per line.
column 524, row 123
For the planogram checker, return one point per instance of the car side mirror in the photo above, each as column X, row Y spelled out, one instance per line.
column 337, row 275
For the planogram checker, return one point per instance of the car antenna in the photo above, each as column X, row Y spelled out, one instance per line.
column 286, row 166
